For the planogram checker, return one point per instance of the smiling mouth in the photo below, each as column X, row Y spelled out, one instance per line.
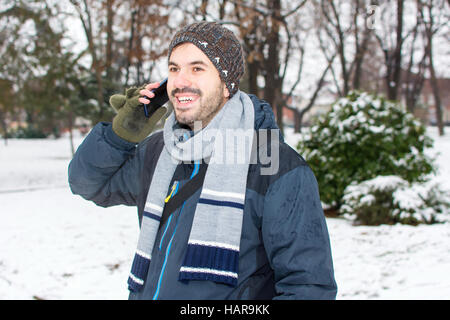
column 185, row 97
column 185, row 101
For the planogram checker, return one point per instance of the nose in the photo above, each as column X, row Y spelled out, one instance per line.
column 181, row 80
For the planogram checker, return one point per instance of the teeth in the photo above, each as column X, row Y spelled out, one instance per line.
column 185, row 99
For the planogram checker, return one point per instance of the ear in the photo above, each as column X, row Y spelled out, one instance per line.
column 226, row 93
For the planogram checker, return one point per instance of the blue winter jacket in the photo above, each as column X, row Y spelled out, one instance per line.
column 284, row 250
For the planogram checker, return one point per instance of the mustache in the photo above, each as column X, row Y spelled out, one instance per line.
column 185, row 90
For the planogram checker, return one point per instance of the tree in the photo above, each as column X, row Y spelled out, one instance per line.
column 6, row 106
column 125, row 40
column 299, row 113
column 343, row 31
column 415, row 72
column 29, row 58
column 362, row 36
column 149, row 34
column 330, row 20
column 361, row 137
column 86, row 9
column 267, row 29
column 392, row 52
column 429, row 13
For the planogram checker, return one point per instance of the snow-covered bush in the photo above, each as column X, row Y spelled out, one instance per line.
column 360, row 138
column 391, row 199
column 422, row 202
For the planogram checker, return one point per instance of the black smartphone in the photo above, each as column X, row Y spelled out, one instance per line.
column 158, row 100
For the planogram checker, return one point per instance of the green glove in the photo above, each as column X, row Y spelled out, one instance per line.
column 130, row 122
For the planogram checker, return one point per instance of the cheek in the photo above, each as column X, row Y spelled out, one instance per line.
column 170, row 87
column 210, row 87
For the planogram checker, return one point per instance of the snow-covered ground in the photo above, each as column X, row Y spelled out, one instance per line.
column 54, row 245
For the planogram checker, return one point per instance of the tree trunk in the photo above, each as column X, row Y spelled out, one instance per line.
column 429, row 32
column 139, row 35
column 437, row 99
column 4, row 127
column 72, row 147
column 130, row 46
column 319, row 86
column 253, row 70
column 341, row 50
column 203, row 11
column 96, row 65
column 395, row 57
column 253, row 61
column 109, row 38
column 414, row 83
column 69, row 122
column 272, row 90
column 222, row 10
column 361, row 50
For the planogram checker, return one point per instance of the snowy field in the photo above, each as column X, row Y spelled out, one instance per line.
column 54, row 245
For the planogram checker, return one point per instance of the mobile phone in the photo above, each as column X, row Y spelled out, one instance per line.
column 158, row 100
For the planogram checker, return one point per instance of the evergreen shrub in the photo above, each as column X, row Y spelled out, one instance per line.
column 364, row 136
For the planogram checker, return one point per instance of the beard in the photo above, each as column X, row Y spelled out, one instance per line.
column 205, row 110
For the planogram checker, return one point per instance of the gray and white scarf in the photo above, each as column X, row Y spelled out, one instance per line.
column 213, row 245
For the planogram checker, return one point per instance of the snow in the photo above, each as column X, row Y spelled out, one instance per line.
column 393, row 262
column 422, row 201
column 54, row 245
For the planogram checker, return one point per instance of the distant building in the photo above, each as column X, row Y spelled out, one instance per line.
column 425, row 109
column 427, row 99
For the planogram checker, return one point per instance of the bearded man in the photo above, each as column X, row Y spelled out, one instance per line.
column 215, row 221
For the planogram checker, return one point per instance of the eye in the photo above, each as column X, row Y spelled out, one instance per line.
column 197, row 69
column 173, row 69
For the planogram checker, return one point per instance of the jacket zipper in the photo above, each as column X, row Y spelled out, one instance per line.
column 169, row 246
column 174, row 192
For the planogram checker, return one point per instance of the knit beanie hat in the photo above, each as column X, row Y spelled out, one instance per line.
column 221, row 47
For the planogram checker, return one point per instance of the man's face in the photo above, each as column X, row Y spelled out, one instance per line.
column 194, row 86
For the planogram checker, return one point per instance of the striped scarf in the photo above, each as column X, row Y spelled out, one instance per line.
column 213, row 245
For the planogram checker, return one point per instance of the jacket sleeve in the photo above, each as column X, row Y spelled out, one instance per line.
column 106, row 169
column 296, row 238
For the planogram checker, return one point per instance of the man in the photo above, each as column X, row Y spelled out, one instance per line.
column 245, row 232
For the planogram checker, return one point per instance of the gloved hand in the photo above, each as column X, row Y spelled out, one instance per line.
column 130, row 122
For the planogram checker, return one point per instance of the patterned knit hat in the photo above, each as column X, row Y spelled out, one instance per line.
column 220, row 45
